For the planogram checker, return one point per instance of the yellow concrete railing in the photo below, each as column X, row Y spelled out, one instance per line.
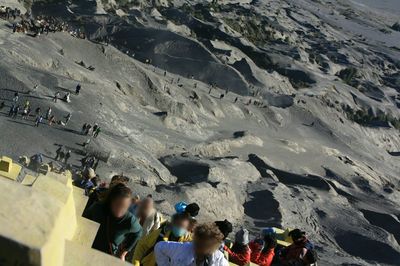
column 41, row 221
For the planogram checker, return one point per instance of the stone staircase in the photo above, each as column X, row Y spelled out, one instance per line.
column 41, row 221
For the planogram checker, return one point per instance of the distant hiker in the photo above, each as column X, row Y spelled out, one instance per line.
column 95, row 127
column 301, row 252
column 38, row 121
column 236, row 99
column 78, row 89
column 58, row 152
column 240, row 251
column 67, row 97
column 67, row 118
column 67, row 156
column 83, row 128
column 52, row 120
column 48, row 113
column 165, row 73
column 88, row 127
column 56, row 96
column 27, row 104
column 97, row 132
column 195, row 85
column 221, row 96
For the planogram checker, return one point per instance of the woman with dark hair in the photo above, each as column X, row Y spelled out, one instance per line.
column 119, row 230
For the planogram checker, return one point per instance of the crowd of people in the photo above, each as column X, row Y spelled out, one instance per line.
column 27, row 23
column 132, row 229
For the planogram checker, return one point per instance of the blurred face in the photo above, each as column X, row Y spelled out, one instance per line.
column 119, row 207
column 146, row 207
column 182, row 223
column 205, row 247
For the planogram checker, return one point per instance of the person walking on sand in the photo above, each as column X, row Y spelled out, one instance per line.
column 56, row 96
column 52, row 120
column 67, row 156
column 38, row 121
column 67, row 118
column 78, row 89
column 97, row 132
column 58, row 153
column 48, row 113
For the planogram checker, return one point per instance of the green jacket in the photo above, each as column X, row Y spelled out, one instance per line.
column 114, row 234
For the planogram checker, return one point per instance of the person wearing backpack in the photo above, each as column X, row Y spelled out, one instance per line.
column 300, row 252
column 176, row 231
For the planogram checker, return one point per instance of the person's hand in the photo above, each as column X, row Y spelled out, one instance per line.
column 122, row 255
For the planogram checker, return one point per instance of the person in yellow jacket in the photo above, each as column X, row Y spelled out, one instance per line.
column 176, row 231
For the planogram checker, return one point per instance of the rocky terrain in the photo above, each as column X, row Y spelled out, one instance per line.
column 306, row 134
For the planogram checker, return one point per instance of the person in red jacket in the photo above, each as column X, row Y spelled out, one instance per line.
column 263, row 250
column 240, row 252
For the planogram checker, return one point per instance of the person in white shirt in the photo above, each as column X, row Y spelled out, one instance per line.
column 203, row 251
column 150, row 219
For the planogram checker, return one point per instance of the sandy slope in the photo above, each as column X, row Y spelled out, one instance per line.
column 295, row 161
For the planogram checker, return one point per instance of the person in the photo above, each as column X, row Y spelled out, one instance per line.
column 48, row 113
column 298, row 253
column 38, row 121
column 83, row 129
column 240, row 251
column 95, row 128
column 176, row 231
column 150, row 219
column 52, row 119
column 78, row 89
column 225, row 227
column 36, row 161
column 67, row 118
column 88, row 127
column 67, row 97
column 119, row 230
column 58, row 153
column 67, row 156
column 202, row 251
column 97, row 132
column 56, row 96
column 263, row 249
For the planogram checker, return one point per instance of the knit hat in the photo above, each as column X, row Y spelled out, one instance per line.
column 225, row 227
column 242, row 237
